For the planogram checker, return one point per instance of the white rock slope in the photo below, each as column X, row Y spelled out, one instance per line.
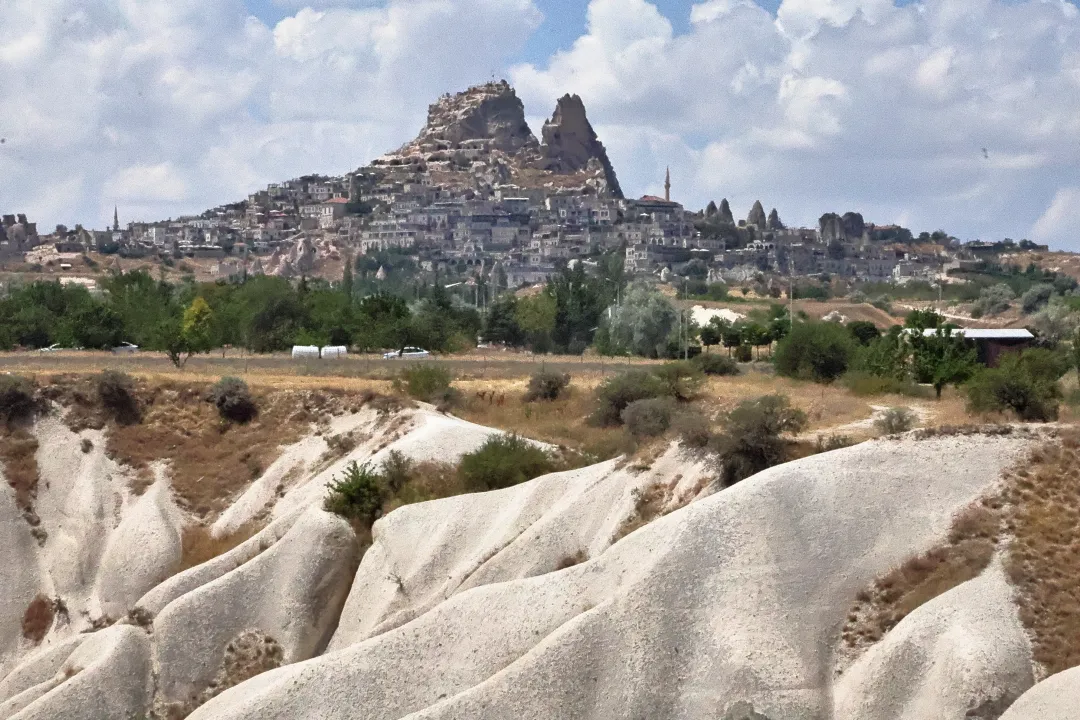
column 530, row 602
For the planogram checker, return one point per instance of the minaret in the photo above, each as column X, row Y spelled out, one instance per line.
column 667, row 185
column 115, row 219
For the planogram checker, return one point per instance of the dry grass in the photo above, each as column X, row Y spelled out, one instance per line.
column 18, row 450
column 211, row 461
column 1042, row 510
column 560, row 422
column 966, row 553
column 38, row 619
column 199, row 546
column 1034, row 517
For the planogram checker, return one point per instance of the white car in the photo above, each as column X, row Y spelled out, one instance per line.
column 125, row 348
column 409, row 353
column 52, row 348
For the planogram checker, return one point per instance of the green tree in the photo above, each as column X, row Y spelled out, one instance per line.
column 535, row 317
column 919, row 320
column 731, row 336
column 710, row 334
column 943, row 359
column 864, row 331
column 818, row 351
column 97, row 326
column 501, row 324
column 643, row 323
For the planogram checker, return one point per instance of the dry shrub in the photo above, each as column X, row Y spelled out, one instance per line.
column 233, row 400
column 546, row 385
column 649, row 504
column 17, row 402
column 968, row 550
column 249, row 654
column 199, row 546
column 18, row 450
column 38, row 619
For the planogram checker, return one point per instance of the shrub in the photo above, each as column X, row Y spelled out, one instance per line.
column 397, row 468
column 819, row 351
column 648, row 418
column 863, row 331
column 895, row 420
column 680, row 379
column 17, row 402
column 426, row 382
column 717, row 364
column 744, row 353
column 503, row 461
column 692, row 428
column 233, row 400
column 358, row 495
column 993, row 300
column 546, row 385
column 751, row 439
column 1036, row 297
column 615, row 393
column 117, row 393
column 1028, row 389
column 828, row 443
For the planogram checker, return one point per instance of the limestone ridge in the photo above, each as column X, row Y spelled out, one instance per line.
column 571, row 144
column 478, row 140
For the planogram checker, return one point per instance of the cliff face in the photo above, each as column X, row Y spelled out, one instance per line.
column 478, row 139
column 571, row 144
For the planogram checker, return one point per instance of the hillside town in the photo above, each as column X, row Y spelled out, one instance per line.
column 476, row 194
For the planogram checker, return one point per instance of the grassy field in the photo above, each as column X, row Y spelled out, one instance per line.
column 492, row 385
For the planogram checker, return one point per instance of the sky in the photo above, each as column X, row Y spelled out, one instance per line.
column 960, row 115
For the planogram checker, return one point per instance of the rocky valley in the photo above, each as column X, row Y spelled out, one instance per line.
column 898, row 578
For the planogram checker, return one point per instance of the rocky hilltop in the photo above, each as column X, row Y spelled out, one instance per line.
column 478, row 140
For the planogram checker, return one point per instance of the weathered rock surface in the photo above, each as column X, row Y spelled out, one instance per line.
column 757, row 218
column 554, row 598
column 1055, row 698
column 964, row 654
column 491, row 112
column 478, row 139
column 570, row 143
column 735, row 598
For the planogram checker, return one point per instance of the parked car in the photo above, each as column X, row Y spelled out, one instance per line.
column 125, row 348
column 52, row 348
column 409, row 353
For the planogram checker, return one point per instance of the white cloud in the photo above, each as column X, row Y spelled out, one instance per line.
column 172, row 107
column 838, row 105
column 712, row 10
column 1060, row 224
